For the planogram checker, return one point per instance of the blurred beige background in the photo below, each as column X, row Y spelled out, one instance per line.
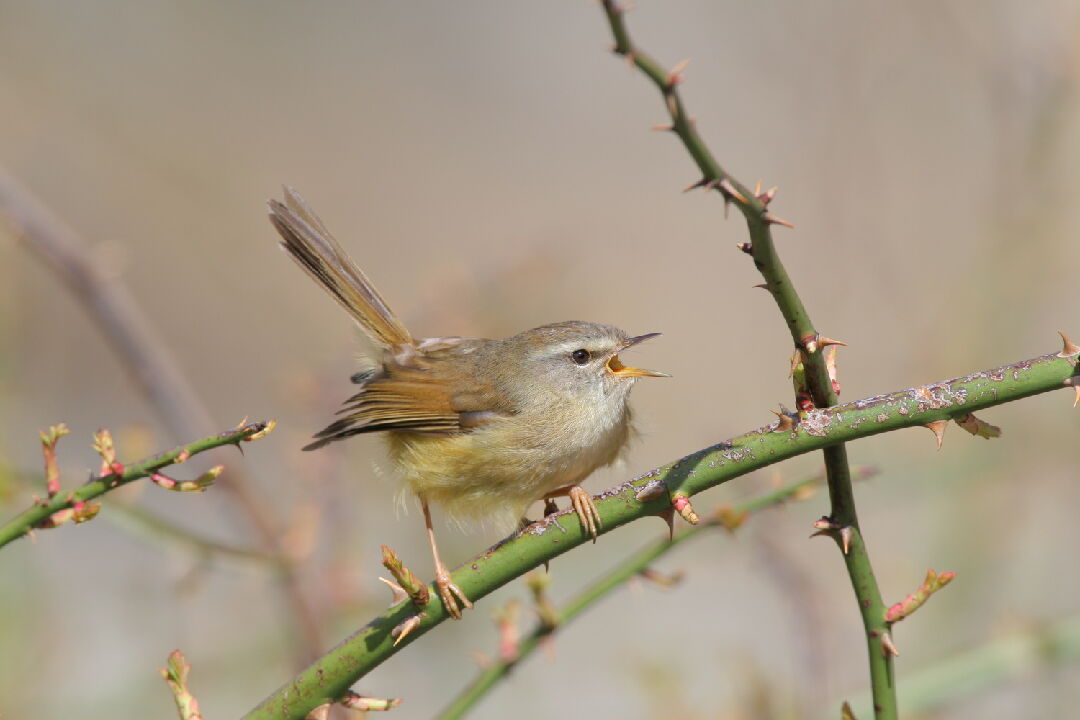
column 490, row 165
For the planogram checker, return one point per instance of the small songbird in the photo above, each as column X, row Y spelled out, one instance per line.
column 481, row 427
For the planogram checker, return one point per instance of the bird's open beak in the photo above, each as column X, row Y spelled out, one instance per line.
column 615, row 366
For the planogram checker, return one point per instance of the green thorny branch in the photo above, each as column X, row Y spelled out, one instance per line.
column 61, row 506
column 754, row 205
column 653, row 494
column 513, row 651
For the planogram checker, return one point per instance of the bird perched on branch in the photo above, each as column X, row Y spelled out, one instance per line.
column 481, row 427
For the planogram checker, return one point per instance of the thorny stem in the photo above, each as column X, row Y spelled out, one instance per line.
column 328, row 678
column 630, row 568
column 767, row 261
column 98, row 485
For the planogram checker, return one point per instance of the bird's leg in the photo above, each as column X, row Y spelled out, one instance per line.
column 447, row 589
column 583, row 506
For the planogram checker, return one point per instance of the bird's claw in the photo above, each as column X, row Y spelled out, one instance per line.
column 586, row 510
column 450, row 593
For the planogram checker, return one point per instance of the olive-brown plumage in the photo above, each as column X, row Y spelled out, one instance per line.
column 481, row 427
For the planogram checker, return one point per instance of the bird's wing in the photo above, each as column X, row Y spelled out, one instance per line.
column 430, row 388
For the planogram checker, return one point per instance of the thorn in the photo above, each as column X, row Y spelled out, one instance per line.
column 675, row 76
column 398, row 592
column 651, row 491
column 772, row 219
column 668, row 516
column 845, row 538
column 784, row 423
column 402, row 630
column 322, row 712
column 887, row 645
column 757, row 188
column 846, row 713
column 1069, row 349
column 661, row 128
column 763, row 286
column 938, row 428
column 700, row 183
column 685, row 509
column 730, row 190
column 825, row 342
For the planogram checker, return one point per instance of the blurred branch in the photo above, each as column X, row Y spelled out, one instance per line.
column 137, row 344
column 630, row 568
column 972, row 671
column 651, row 494
column 43, row 511
column 754, row 206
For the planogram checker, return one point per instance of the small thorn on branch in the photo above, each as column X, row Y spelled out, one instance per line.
column 675, row 76
column 938, row 428
column 784, row 420
column 827, row 527
column 1068, row 347
column 730, row 191
column 402, row 629
column 664, row 128
column 668, row 516
column 773, row 220
column 398, row 594
column 846, row 713
column 694, row 186
column 887, row 645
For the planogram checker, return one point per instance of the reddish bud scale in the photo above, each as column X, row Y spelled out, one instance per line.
column 685, row 509
column 804, row 402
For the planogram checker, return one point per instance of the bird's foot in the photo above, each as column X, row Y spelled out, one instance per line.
column 585, row 509
column 450, row 593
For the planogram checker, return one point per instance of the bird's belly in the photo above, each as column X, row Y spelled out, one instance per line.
column 496, row 471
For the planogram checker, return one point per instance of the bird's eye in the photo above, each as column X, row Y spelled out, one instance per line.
column 581, row 356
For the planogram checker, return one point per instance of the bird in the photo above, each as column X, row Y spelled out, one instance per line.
column 481, row 427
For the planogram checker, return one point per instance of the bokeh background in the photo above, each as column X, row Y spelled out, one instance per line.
column 490, row 164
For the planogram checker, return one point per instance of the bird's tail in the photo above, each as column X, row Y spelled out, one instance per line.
column 313, row 248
